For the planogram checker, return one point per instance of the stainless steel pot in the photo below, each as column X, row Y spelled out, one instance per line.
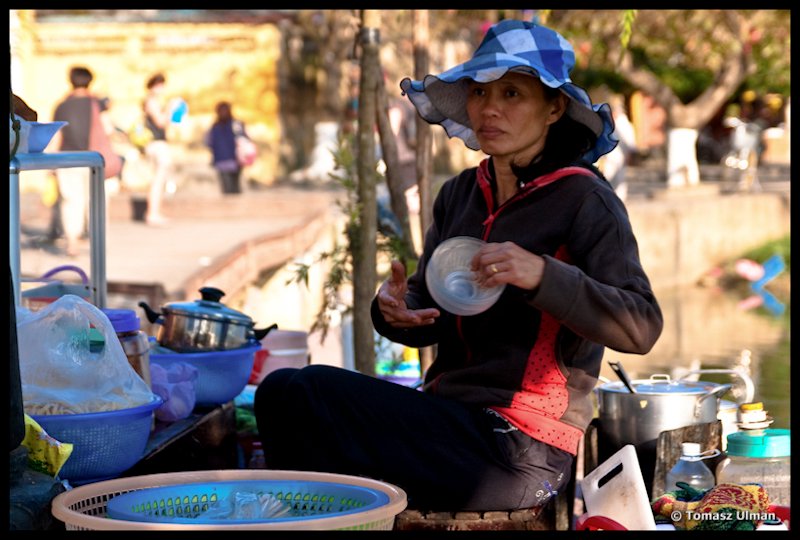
column 659, row 404
column 203, row 325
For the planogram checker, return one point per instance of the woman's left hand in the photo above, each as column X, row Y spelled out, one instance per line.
column 497, row 263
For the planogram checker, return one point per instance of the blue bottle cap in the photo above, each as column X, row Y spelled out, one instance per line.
column 123, row 320
column 763, row 443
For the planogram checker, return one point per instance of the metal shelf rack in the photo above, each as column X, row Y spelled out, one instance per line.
column 97, row 218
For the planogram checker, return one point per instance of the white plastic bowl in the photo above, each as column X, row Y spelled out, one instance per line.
column 451, row 281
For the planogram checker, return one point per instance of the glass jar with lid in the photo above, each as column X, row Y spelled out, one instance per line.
column 134, row 342
column 760, row 456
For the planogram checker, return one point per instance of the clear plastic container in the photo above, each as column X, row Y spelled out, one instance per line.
column 759, row 456
column 134, row 342
column 451, row 281
column 690, row 469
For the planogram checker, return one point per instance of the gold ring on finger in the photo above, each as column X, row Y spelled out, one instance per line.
column 494, row 268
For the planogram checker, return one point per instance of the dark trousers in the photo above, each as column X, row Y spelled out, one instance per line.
column 444, row 454
column 230, row 181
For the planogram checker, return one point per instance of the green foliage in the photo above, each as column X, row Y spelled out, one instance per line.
column 340, row 258
column 599, row 77
column 782, row 247
column 628, row 17
column 775, row 376
column 686, row 82
column 684, row 48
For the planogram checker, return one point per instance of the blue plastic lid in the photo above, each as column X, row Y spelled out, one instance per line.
column 765, row 443
column 123, row 320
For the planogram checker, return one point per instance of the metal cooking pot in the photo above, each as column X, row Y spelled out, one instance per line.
column 203, row 325
column 659, row 404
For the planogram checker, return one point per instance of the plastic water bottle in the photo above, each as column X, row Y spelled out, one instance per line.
column 691, row 469
column 257, row 457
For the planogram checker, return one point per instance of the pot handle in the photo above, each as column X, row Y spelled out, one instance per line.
column 748, row 382
column 58, row 269
column 262, row 333
column 718, row 391
column 152, row 316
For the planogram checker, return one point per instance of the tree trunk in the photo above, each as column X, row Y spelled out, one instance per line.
column 682, row 168
column 389, row 149
column 424, row 139
column 424, row 149
column 364, row 247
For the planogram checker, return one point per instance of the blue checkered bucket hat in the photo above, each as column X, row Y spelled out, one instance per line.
column 510, row 45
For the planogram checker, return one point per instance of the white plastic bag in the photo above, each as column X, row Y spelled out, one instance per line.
column 175, row 385
column 60, row 372
column 245, row 504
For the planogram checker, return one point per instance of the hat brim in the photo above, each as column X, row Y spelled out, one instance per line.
column 442, row 100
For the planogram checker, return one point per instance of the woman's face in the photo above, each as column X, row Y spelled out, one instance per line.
column 511, row 116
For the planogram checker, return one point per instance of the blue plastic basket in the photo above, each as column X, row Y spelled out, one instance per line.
column 185, row 503
column 105, row 444
column 221, row 375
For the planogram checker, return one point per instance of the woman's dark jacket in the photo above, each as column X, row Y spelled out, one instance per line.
column 535, row 356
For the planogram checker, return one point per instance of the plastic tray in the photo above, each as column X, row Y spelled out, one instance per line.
column 85, row 507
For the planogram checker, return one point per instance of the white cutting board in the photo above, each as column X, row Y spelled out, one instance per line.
column 621, row 497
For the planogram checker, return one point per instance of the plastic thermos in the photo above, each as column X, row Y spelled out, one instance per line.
column 690, row 469
column 134, row 342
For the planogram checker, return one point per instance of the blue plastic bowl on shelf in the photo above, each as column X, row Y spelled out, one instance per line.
column 105, row 444
column 221, row 375
column 186, row 503
column 41, row 134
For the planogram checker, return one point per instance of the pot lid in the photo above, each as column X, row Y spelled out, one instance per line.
column 656, row 385
column 208, row 307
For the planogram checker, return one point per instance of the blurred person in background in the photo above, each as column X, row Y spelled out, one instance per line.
column 85, row 130
column 157, row 118
column 221, row 139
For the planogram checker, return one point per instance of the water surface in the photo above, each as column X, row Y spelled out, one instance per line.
column 712, row 328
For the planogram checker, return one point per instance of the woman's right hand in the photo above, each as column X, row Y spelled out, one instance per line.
column 391, row 302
